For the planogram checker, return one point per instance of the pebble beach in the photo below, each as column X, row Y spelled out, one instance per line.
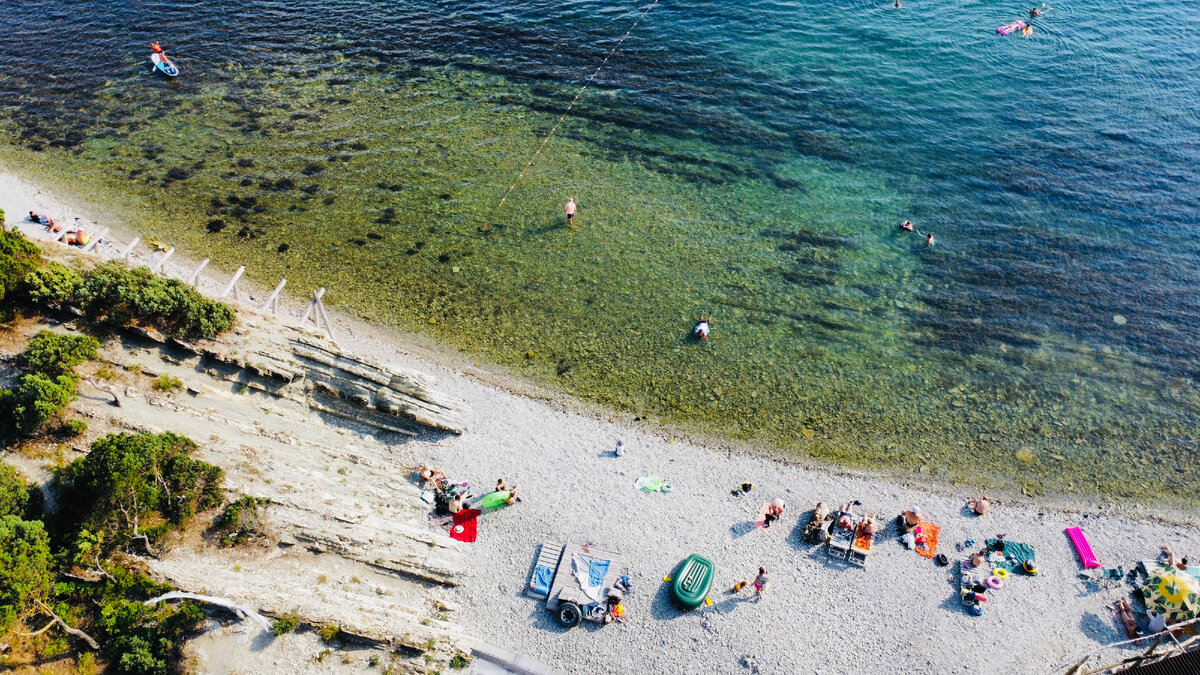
column 899, row 613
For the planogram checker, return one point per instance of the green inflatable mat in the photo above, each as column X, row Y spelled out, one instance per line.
column 494, row 499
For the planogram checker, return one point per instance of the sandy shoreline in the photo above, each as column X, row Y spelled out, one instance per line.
column 900, row 614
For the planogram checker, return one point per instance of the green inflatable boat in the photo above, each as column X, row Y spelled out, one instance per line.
column 689, row 589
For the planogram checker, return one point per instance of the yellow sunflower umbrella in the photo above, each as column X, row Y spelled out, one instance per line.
column 1173, row 594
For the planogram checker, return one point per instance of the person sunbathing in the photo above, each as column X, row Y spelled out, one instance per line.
column 512, row 496
column 1172, row 561
column 1125, row 613
column 432, row 475
column 979, row 505
column 501, row 486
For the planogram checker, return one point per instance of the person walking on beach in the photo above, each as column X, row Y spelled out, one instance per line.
column 760, row 582
column 569, row 209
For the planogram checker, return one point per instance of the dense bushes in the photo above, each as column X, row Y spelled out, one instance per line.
column 14, row 496
column 110, row 294
column 134, row 485
column 18, row 257
column 24, row 568
column 144, row 640
column 53, row 354
column 48, row 383
column 36, row 399
column 52, row 284
column 116, row 295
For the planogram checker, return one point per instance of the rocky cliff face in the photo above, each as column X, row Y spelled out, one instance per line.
column 318, row 432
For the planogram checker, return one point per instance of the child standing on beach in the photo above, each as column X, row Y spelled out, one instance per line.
column 760, row 582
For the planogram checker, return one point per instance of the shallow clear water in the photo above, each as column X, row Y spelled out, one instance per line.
column 749, row 160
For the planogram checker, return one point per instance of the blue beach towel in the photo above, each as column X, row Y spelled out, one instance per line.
column 542, row 577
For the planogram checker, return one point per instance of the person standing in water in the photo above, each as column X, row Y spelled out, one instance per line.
column 929, row 239
column 569, row 209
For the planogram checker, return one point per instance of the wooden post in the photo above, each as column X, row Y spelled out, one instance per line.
column 317, row 295
column 233, row 282
column 196, row 272
column 159, row 265
column 129, row 248
column 95, row 240
column 320, row 314
column 272, row 303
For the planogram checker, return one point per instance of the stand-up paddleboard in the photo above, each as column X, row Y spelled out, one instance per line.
column 1010, row 27
column 161, row 62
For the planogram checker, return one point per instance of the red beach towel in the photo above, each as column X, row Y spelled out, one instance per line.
column 465, row 518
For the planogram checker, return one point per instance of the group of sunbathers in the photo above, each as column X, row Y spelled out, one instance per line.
column 74, row 236
column 450, row 497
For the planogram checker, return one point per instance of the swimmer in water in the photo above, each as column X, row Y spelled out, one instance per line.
column 897, row 4
column 1027, row 31
column 1038, row 11
column 929, row 239
column 907, row 226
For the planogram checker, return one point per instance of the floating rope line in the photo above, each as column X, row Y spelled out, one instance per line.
column 566, row 112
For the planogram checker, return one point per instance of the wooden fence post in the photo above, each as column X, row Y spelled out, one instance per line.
column 233, row 283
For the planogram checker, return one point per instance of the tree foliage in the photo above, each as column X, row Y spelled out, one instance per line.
column 145, row 640
column 14, row 496
column 53, row 354
column 18, row 257
column 25, row 573
column 52, row 284
column 134, row 485
column 116, row 295
column 36, row 399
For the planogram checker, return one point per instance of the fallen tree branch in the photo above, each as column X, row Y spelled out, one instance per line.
column 70, row 631
column 240, row 611
column 106, row 389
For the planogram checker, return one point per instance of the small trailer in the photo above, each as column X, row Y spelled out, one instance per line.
column 575, row 581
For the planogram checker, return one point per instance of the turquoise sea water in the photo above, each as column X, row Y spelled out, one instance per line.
column 749, row 160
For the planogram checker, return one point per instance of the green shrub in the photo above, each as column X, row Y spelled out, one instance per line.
column 116, row 295
column 52, row 284
column 329, row 633
column 1, row 216
column 460, row 660
column 18, row 257
column 241, row 521
column 126, row 478
column 14, row 495
column 168, row 384
column 53, row 354
column 72, row 428
column 86, row 664
column 36, row 399
column 144, row 640
column 24, row 568
column 286, row 623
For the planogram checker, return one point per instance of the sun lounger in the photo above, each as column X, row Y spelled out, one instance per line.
column 860, row 547
column 543, row 571
column 841, row 539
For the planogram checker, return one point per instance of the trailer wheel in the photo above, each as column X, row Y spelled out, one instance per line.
column 569, row 614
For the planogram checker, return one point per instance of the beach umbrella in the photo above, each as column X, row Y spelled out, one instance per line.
column 1172, row 593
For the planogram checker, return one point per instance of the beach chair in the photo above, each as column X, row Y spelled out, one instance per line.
column 841, row 539
column 860, row 545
